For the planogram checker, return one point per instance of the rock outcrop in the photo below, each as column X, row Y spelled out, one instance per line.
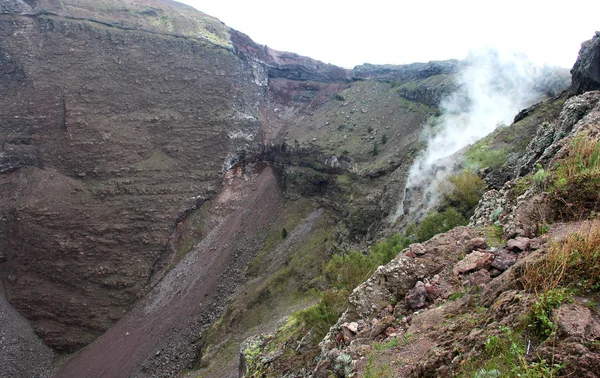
column 586, row 71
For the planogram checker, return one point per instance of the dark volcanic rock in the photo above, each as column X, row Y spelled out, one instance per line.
column 586, row 71
column 107, row 135
column 405, row 72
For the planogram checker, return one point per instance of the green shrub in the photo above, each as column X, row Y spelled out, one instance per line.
column 384, row 139
column 435, row 223
column 320, row 317
column 346, row 271
column 463, row 191
column 480, row 155
column 375, row 150
column 539, row 319
column 504, row 356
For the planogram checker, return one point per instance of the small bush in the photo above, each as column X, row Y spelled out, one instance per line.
column 320, row 317
column 573, row 262
column 284, row 233
column 346, row 271
column 539, row 319
column 384, row 139
column 505, row 357
column 480, row 155
column 375, row 150
column 435, row 223
column 463, row 191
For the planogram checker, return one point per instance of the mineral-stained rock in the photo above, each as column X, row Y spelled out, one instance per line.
column 417, row 249
column 477, row 243
column 473, row 261
column 381, row 326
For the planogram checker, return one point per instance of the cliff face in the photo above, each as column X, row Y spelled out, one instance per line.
column 115, row 122
column 108, row 134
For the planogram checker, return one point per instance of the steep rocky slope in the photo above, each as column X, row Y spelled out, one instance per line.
column 513, row 294
column 151, row 159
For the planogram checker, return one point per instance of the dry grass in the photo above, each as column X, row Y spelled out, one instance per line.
column 572, row 261
column 576, row 180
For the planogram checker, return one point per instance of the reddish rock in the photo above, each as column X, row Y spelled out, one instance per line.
column 518, row 244
column 476, row 243
column 418, row 249
column 381, row 326
column 480, row 278
column 473, row 261
column 503, row 261
column 577, row 321
column 417, row 297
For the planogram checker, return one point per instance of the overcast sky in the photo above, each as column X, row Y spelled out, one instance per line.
column 348, row 33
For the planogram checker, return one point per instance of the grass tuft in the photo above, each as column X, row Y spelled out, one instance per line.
column 573, row 262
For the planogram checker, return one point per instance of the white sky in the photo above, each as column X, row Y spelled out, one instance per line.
column 348, row 33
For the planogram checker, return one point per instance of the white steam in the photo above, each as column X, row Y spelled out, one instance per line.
column 493, row 87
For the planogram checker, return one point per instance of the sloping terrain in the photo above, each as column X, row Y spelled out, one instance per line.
column 170, row 188
column 513, row 294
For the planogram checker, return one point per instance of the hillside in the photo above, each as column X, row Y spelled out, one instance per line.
column 171, row 190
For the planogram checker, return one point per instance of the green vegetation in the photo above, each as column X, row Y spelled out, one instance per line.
column 539, row 319
column 344, row 272
column 384, row 139
column 254, row 367
column 435, row 223
column 463, row 191
column 504, row 356
column 481, row 155
column 375, row 150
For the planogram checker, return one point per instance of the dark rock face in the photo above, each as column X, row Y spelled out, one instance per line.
column 407, row 72
column 106, row 135
column 586, row 71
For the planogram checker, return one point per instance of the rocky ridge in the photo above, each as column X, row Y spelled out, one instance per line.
column 441, row 306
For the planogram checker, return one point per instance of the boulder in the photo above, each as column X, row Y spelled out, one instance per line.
column 518, row 244
column 480, row 278
column 417, row 297
column 503, row 261
column 473, row 261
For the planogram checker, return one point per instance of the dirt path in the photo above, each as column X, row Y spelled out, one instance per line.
column 160, row 335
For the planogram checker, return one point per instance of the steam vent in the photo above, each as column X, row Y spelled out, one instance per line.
column 177, row 200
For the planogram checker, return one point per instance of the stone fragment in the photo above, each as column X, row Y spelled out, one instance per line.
column 503, row 261
column 577, row 321
column 418, row 249
column 476, row 243
column 417, row 297
column 480, row 278
column 473, row 261
column 381, row 326
column 518, row 244
column 353, row 326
